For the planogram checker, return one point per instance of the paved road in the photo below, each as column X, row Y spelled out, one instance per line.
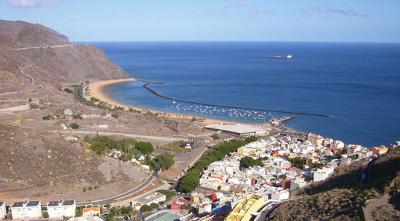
column 130, row 192
column 126, row 134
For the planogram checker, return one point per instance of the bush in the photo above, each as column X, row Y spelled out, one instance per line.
column 144, row 147
column 74, row 126
column 115, row 115
column 163, row 161
column 145, row 208
column 45, row 215
column 247, row 162
column 168, row 194
column 297, row 162
column 68, row 90
column 215, row 136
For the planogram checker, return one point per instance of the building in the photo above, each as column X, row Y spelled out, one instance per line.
column 246, row 209
column 239, row 130
column 280, row 195
column 3, row 211
column 182, row 203
column 31, row 209
column 148, row 199
column 322, row 174
column 92, row 211
column 61, row 208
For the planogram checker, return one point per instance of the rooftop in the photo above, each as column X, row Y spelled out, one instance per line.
column 18, row 204
column 53, row 203
column 33, row 203
column 68, row 202
column 236, row 128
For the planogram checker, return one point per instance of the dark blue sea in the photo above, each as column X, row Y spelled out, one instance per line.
column 356, row 84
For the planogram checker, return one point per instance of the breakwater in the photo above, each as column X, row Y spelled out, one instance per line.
column 146, row 86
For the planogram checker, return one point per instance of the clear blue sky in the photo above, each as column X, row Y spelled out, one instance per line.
column 213, row 20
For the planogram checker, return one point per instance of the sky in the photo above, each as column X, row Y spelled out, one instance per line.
column 213, row 20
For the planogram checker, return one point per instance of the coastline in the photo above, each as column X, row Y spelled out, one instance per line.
column 97, row 90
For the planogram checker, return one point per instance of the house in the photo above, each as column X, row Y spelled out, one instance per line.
column 148, row 199
column 280, row 195
column 31, row 209
column 322, row 174
column 181, row 203
column 3, row 211
column 61, row 208
column 92, row 211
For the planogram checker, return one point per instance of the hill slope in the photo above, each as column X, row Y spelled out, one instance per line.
column 342, row 196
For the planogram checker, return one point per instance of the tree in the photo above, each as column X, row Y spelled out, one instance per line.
column 163, row 161
column 297, row 162
column 215, row 136
column 74, row 126
column 145, row 208
column 144, row 147
column 47, row 117
column 247, row 162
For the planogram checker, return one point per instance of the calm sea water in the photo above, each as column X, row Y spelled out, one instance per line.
column 357, row 84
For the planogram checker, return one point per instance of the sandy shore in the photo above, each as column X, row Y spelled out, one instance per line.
column 97, row 90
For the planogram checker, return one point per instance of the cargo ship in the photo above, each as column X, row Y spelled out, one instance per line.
column 289, row 56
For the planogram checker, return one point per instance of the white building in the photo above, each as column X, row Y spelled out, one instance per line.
column 280, row 195
column 148, row 199
column 31, row 209
column 3, row 211
column 322, row 174
column 61, row 208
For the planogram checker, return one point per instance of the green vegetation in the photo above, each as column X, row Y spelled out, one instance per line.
column 74, row 126
column 45, row 214
column 134, row 111
column 191, row 179
column 168, row 194
column 215, row 136
column 79, row 211
column 122, row 212
column 247, row 162
column 68, row 90
column 163, row 161
column 103, row 145
column 130, row 149
column 175, row 147
column 144, row 147
column 193, row 119
column 297, row 162
column 146, row 208
column 115, row 115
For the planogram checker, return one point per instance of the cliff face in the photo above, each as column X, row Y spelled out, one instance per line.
column 34, row 55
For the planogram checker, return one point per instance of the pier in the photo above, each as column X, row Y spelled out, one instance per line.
column 146, row 86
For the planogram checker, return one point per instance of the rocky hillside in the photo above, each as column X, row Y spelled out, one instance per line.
column 32, row 55
column 343, row 196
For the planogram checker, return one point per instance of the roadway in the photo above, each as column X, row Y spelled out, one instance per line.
column 131, row 192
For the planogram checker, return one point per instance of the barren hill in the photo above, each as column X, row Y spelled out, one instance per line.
column 32, row 55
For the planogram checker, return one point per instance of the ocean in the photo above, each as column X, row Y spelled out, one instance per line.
column 356, row 84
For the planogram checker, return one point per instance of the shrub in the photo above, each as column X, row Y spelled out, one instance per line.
column 74, row 126
column 247, row 162
column 215, row 136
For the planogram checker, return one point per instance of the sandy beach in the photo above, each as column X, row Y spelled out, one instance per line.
column 96, row 90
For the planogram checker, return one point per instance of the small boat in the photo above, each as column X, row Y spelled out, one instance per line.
column 289, row 56
column 173, row 101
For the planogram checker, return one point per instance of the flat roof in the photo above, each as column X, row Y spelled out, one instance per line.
column 53, row 203
column 33, row 203
column 236, row 128
column 18, row 204
column 150, row 197
column 68, row 202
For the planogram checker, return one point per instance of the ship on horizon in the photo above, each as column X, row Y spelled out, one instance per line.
column 289, row 56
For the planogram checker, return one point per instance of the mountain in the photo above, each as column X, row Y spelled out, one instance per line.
column 34, row 55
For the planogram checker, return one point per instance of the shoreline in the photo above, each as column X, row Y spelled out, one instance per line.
column 96, row 89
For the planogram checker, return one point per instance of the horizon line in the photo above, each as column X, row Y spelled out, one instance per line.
column 228, row 41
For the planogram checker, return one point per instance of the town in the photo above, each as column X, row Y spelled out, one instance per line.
column 247, row 181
